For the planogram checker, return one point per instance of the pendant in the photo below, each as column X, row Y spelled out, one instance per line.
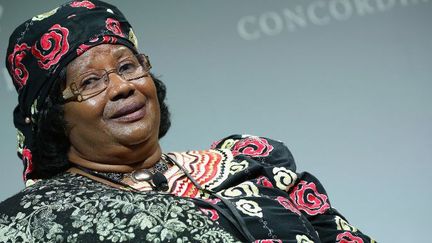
column 148, row 174
column 141, row 175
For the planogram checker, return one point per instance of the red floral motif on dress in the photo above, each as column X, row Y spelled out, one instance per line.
column 27, row 159
column 114, row 26
column 212, row 200
column 347, row 237
column 85, row 4
column 19, row 72
column 253, row 146
column 51, row 47
column 215, row 144
column 213, row 214
column 96, row 41
column 286, row 203
column 264, row 181
column 307, row 198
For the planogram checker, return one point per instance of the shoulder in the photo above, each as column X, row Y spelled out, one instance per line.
column 30, row 208
column 263, row 149
column 37, row 191
column 48, row 192
column 87, row 211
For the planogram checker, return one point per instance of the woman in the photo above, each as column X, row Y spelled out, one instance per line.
column 89, row 119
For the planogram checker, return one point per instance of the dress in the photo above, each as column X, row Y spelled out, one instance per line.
column 255, row 174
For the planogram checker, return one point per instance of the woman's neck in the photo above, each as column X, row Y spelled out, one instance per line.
column 123, row 165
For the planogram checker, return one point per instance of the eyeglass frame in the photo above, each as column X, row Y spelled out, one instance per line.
column 72, row 92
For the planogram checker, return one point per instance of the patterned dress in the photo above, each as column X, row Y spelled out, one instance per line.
column 256, row 175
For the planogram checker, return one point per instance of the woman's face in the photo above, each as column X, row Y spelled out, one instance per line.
column 119, row 125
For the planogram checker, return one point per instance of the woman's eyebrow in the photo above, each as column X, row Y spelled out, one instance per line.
column 119, row 52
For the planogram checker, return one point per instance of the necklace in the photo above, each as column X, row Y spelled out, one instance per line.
column 159, row 183
column 148, row 174
column 153, row 175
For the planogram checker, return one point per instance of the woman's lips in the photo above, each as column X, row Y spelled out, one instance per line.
column 129, row 113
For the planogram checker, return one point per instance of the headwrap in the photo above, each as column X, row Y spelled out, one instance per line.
column 43, row 45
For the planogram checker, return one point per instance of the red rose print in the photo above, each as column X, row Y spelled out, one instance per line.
column 18, row 70
column 82, row 48
column 53, row 46
column 213, row 214
column 27, row 159
column 109, row 39
column 253, row 146
column 286, row 203
column 85, row 4
column 215, row 144
column 114, row 26
column 212, row 201
column 347, row 237
column 264, row 181
column 307, row 198
column 95, row 41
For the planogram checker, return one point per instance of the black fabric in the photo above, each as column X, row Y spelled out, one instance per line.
column 255, row 175
column 72, row 208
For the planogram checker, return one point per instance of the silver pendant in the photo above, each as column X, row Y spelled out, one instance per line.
column 141, row 175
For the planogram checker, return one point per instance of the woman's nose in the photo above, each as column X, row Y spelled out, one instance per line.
column 118, row 87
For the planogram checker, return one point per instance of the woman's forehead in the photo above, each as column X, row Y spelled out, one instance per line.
column 96, row 55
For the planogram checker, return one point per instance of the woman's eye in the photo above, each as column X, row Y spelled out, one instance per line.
column 88, row 82
column 127, row 68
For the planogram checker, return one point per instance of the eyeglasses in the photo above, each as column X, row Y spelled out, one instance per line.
column 92, row 83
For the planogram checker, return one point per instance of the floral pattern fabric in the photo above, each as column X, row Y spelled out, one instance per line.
column 72, row 208
column 256, row 175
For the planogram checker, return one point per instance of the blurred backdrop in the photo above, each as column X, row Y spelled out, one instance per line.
column 346, row 84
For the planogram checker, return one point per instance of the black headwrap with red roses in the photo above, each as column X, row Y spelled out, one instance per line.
column 43, row 45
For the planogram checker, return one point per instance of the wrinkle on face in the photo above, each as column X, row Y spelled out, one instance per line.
column 88, row 60
column 96, row 137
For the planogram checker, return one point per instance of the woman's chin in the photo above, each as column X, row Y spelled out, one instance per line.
column 133, row 134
